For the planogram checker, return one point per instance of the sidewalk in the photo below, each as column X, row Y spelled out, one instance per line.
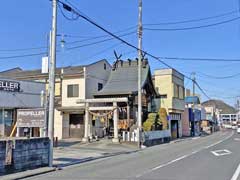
column 78, row 152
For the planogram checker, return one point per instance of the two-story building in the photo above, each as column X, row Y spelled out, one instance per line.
column 72, row 83
column 169, row 83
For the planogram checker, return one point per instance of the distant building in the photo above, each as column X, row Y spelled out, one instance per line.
column 169, row 83
column 219, row 112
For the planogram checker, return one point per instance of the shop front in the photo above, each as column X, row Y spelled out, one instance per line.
column 17, row 95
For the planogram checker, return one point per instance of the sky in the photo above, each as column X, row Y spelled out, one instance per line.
column 25, row 25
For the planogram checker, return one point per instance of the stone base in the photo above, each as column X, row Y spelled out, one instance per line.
column 115, row 140
column 85, row 139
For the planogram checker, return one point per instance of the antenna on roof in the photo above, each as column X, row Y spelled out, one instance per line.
column 118, row 58
column 116, row 55
column 143, row 55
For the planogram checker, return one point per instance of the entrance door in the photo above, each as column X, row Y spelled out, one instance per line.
column 174, row 129
column 76, row 123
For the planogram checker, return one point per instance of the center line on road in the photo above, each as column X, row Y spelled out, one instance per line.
column 236, row 174
column 185, row 156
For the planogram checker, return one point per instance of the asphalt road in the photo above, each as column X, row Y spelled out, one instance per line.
column 214, row 157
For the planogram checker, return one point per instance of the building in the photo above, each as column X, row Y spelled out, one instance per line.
column 169, row 83
column 72, row 83
column 229, row 118
column 123, row 83
column 14, row 95
column 219, row 112
column 193, row 115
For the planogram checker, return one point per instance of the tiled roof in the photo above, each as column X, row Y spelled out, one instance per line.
column 34, row 73
column 124, row 78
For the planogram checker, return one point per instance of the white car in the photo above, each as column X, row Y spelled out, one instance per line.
column 238, row 130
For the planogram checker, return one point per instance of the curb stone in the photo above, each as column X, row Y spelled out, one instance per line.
column 28, row 173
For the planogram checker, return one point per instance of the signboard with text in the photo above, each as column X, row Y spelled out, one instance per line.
column 31, row 117
column 9, row 86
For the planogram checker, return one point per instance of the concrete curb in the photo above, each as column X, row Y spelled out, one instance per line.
column 28, row 173
column 69, row 165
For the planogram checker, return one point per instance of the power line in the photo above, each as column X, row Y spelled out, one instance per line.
column 194, row 20
column 97, row 42
column 199, row 87
column 71, row 48
column 193, row 27
column 68, row 8
column 23, row 49
column 220, row 77
column 100, row 37
column 86, row 38
column 200, row 59
column 24, row 55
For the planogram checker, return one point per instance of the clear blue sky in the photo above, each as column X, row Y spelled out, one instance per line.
column 25, row 24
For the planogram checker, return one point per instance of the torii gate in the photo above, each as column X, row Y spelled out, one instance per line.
column 113, row 108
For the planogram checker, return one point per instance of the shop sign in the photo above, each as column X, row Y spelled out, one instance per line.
column 9, row 86
column 31, row 117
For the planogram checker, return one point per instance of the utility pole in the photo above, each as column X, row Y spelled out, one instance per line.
column 52, row 81
column 140, row 29
column 193, row 121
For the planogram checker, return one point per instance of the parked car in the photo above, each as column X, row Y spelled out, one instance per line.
column 234, row 126
column 227, row 126
column 238, row 130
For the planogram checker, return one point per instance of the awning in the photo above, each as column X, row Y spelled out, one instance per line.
column 72, row 109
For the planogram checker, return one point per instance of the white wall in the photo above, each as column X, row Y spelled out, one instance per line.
column 58, row 124
column 95, row 73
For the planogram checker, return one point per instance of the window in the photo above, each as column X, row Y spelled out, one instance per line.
column 105, row 66
column 73, row 90
column 176, row 91
column 181, row 92
column 100, row 86
column 163, row 96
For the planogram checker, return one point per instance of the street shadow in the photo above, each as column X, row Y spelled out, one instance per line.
column 73, row 161
column 67, row 143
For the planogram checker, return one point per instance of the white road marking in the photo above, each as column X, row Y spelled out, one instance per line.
column 218, row 142
column 236, row 173
column 237, row 139
column 195, row 138
column 184, row 156
column 221, row 152
column 194, row 152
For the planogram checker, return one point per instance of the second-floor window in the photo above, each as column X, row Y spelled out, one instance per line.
column 73, row 90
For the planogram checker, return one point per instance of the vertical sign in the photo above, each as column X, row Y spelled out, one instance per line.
column 45, row 64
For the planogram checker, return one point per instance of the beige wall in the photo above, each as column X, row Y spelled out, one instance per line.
column 71, row 101
column 163, row 86
column 171, row 83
